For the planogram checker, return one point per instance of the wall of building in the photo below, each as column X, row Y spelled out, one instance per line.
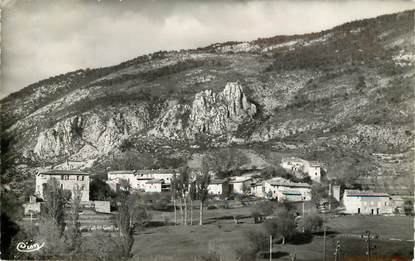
column 102, row 206
column 215, row 189
column 258, row 191
column 278, row 192
column 130, row 178
column 367, row 205
column 238, row 187
column 314, row 172
column 152, row 187
column 69, row 182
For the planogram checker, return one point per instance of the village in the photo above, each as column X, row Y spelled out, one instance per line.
column 304, row 186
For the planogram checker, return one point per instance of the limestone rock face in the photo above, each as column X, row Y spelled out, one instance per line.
column 172, row 122
column 89, row 135
column 220, row 113
column 210, row 113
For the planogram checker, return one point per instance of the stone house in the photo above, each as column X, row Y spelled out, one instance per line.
column 67, row 179
column 218, row 187
column 240, row 184
column 367, row 202
column 285, row 190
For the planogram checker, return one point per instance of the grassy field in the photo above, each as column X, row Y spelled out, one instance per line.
column 222, row 235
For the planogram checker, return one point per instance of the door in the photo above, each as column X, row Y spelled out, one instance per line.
column 377, row 211
column 371, row 211
column 358, row 210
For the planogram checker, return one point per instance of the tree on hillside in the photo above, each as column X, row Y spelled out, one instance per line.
column 52, row 222
column 99, row 190
column 275, row 171
column 11, row 212
column 312, row 223
column 130, row 216
column 202, row 183
column 256, row 241
column 226, row 162
column 54, row 204
column 282, row 225
column 318, row 192
column 73, row 231
column 182, row 186
column 173, row 195
column 262, row 209
column 192, row 196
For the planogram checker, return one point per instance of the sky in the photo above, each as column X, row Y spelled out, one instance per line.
column 43, row 38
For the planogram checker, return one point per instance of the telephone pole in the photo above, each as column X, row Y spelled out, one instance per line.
column 324, row 243
column 270, row 247
column 367, row 237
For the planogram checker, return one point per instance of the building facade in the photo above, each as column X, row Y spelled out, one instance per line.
column 217, row 187
column 138, row 179
column 312, row 169
column 241, row 184
column 285, row 190
column 67, row 179
column 367, row 202
column 115, row 178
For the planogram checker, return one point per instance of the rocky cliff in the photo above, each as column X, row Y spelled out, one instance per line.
column 339, row 96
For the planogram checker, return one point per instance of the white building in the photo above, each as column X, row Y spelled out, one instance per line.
column 258, row 190
column 286, row 190
column 240, row 184
column 165, row 174
column 117, row 176
column 293, row 164
column 297, row 165
column 217, row 187
column 313, row 170
column 367, row 202
column 67, row 179
column 139, row 178
column 336, row 192
column 154, row 185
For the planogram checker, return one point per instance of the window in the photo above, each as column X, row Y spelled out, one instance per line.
column 82, row 187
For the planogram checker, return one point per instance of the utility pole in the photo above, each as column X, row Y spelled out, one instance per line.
column 324, row 243
column 303, row 217
column 367, row 236
column 270, row 247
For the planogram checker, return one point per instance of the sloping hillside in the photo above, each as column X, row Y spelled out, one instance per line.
column 343, row 96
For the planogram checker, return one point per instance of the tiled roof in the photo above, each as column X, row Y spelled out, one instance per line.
column 217, row 181
column 63, row 172
column 364, row 193
column 155, row 181
column 121, row 172
column 278, row 181
column 239, row 179
column 157, row 171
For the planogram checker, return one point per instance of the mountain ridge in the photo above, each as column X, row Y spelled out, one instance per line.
column 340, row 94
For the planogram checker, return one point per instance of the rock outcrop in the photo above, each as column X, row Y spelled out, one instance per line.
column 210, row 113
column 220, row 113
column 90, row 135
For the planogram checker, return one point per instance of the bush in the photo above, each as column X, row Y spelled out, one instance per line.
column 257, row 241
column 312, row 223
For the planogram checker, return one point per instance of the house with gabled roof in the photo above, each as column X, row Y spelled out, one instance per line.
column 67, row 179
column 367, row 202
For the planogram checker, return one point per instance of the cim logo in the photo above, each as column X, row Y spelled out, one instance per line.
column 29, row 246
